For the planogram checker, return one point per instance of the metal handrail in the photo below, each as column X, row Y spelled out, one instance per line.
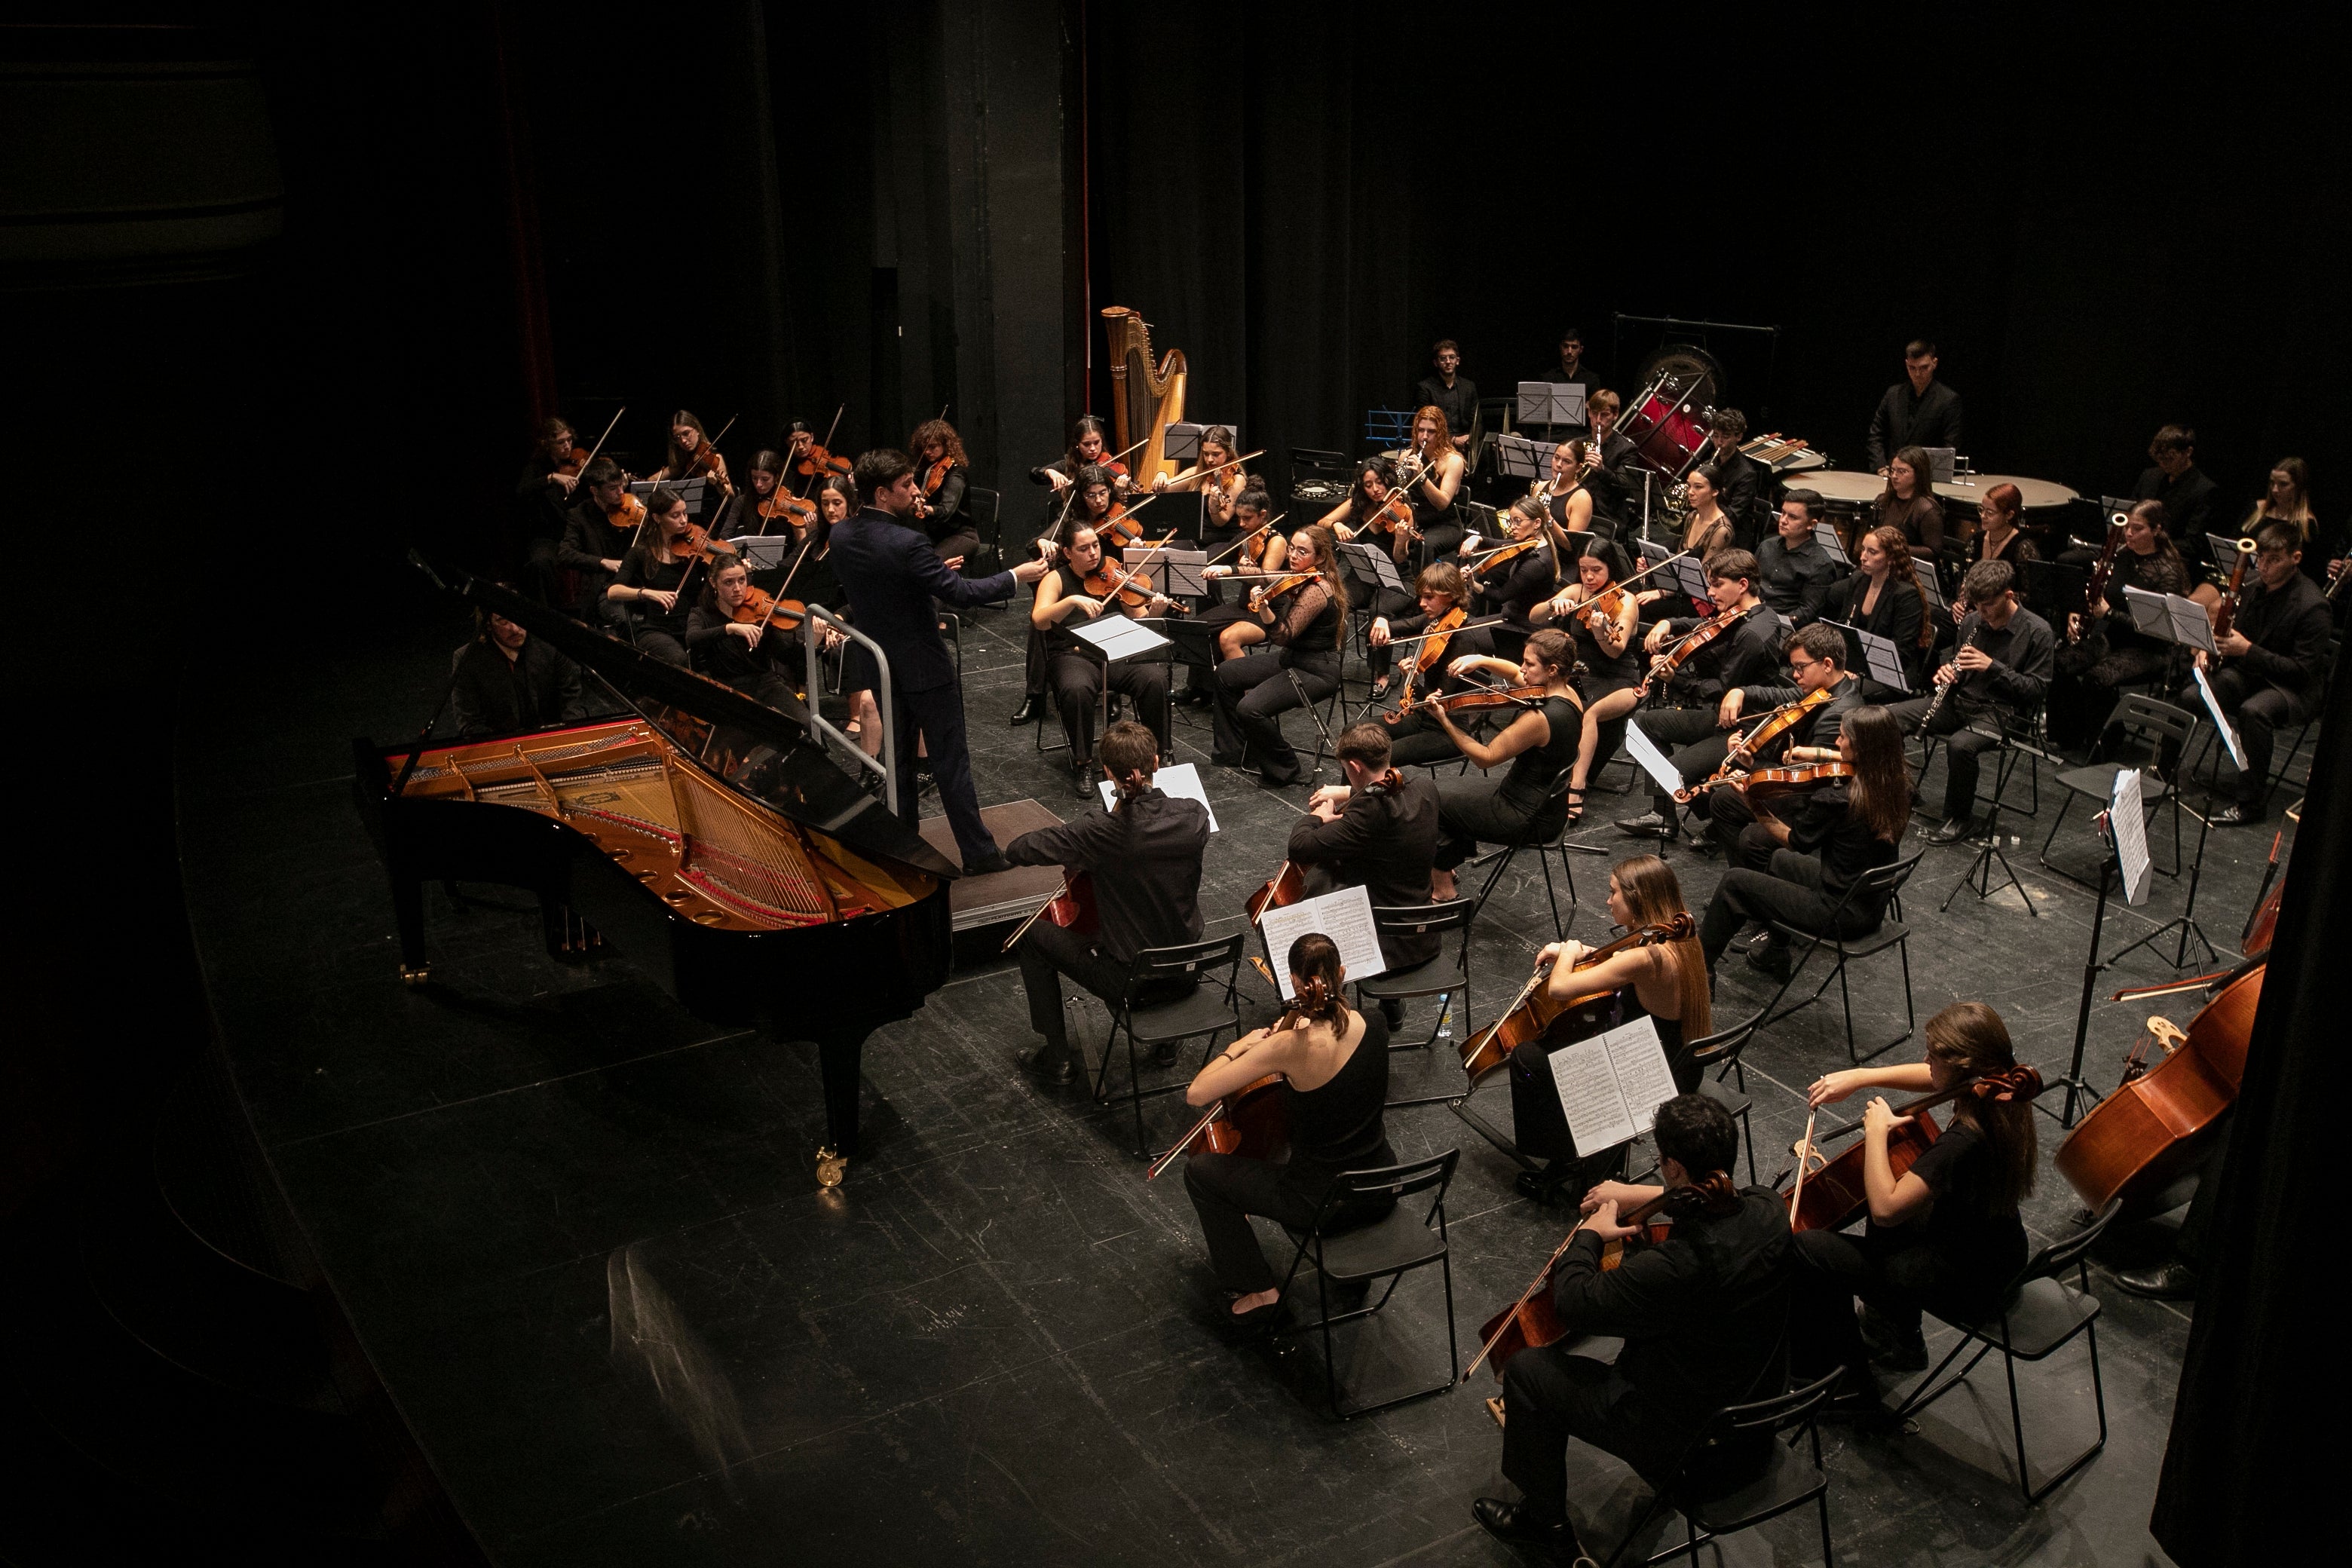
column 887, row 764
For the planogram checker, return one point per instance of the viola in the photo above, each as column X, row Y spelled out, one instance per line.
column 572, row 462
column 1533, row 1320
column 936, row 474
column 1476, row 699
column 1537, row 1016
column 1432, row 646
column 1744, row 748
column 818, row 460
column 1830, row 1195
column 784, row 505
column 1287, row 887
column 2152, row 1129
column 758, row 605
column 1687, row 645
column 1116, row 529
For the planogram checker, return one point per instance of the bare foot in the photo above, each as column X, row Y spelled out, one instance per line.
column 1253, row 1301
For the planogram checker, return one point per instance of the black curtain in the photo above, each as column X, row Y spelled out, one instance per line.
column 2243, row 1446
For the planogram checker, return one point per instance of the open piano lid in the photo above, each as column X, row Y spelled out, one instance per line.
column 767, row 755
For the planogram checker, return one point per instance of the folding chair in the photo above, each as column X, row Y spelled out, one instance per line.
column 1790, row 1481
column 1441, row 977
column 1410, row 1237
column 1890, row 931
column 2161, row 728
column 1201, row 1012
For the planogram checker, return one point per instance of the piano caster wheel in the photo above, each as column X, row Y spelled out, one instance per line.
column 831, row 1166
column 414, row 977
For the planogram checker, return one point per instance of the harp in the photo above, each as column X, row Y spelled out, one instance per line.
column 1145, row 399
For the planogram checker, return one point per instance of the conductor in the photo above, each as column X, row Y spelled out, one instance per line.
column 892, row 574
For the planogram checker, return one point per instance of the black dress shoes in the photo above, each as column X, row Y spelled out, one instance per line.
column 1193, row 696
column 2174, row 1281
column 1554, row 1541
column 987, row 865
column 2238, row 814
column 1051, row 1068
column 1026, row 713
column 1771, row 958
column 1954, row 829
column 1081, row 780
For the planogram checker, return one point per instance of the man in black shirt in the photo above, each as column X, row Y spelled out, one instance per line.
column 591, row 547
column 1738, row 479
column 1568, row 370
column 1919, row 411
column 2001, row 671
column 1748, row 655
column 1702, row 1314
column 1816, row 656
column 506, row 680
column 2189, row 496
column 2273, row 661
column 1797, row 574
column 1378, row 831
column 1456, row 395
column 1143, row 860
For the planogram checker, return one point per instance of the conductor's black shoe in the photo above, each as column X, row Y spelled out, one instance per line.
column 2174, row 1281
column 1772, row 960
column 1082, row 781
column 1649, row 824
column 1954, row 829
column 2238, row 814
column 987, row 865
column 1026, row 713
column 1054, row 1069
column 1554, row 1540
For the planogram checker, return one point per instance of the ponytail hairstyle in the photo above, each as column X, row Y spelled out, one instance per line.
column 1316, row 980
column 678, row 456
column 1971, row 1037
column 1130, row 754
column 1551, row 533
column 1552, row 645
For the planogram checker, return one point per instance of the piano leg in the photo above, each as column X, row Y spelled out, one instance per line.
column 839, row 1054
column 408, row 912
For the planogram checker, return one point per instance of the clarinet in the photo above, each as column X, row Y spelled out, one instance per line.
column 1935, row 702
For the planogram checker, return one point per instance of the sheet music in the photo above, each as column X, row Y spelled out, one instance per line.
column 1552, row 403
column 1880, row 656
column 1691, row 573
column 1181, row 782
column 1169, row 572
column 1345, row 916
column 1651, row 554
column 2213, row 706
column 2171, row 618
column 1522, row 458
column 1653, row 760
column 1825, row 534
column 1118, row 637
column 2127, row 820
column 1611, row 1085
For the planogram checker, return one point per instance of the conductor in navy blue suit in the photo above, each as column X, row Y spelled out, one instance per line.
column 892, row 574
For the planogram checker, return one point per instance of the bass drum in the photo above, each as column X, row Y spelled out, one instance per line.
column 1680, row 385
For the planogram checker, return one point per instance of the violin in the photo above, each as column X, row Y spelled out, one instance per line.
column 1765, row 782
column 1473, row 700
column 1287, row 886
column 1830, row 1195
column 1536, row 1016
column 1113, row 585
column 572, row 462
column 1288, row 582
column 1745, row 747
column 786, row 507
column 1533, row 1320
column 1687, row 645
column 818, row 460
column 629, row 513
column 758, row 605
column 1392, row 516
column 2152, row 1129
column 936, row 474
column 1116, row 529
column 1505, row 555
column 1432, row 646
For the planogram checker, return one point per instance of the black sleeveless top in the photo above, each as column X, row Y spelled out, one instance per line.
column 1625, row 665
column 1670, row 1039
column 1425, row 516
column 1534, row 772
column 1338, row 1127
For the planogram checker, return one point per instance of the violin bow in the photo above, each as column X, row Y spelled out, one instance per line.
column 1805, row 1158
column 605, row 437
column 830, row 431
column 1258, row 532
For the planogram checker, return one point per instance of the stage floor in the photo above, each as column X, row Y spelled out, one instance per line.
column 579, row 1233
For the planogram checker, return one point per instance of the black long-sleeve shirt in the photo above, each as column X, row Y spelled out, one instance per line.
column 1459, row 402
column 1897, row 616
column 1908, row 418
column 1145, row 863
column 495, row 695
column 1822, row 824
column 1477, row 640
column 721, row 655
column 2023, row 654
column 1518, row 585
column 659, row 569
column 1384, row 842
column 1818, row 727
column 1702, row 1314
column 2289, row 630
column 2191, row 504
column 1751, row 655
column 1796, row 582
column 590, row 541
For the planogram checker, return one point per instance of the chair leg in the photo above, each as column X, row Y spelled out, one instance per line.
column 1747, row 1137
column 1135, row 1095
column 1829, row 1558
column 2034, row 1494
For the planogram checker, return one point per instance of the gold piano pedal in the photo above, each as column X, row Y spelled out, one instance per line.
column 831, row 1166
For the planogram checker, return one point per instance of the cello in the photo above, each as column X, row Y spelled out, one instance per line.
column 1535, row 1015
column 2151, row 1130
column 1830, row 1193
column 1254, row 1120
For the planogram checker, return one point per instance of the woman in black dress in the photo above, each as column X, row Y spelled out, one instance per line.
column 1529, row 804
column 1334, row 1065
column 650, row 576
column 1515, row 588
column 1883, row 597
column 1943, row 1234
column 1307, row 623
column 1666, row 982
column 1609, row 665
column 1909, row 501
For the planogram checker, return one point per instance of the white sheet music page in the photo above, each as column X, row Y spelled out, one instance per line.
column 1609, row 1084
column 1346, row 917
column 1181, row 782
column 2127, row 820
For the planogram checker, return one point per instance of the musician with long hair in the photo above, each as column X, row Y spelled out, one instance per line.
column 1076, row 672
column 1307, row 624
column 1708, row 528
column 1664, row 982
column 1377, row 831
column 2104, row 649
column 1142, row 861
column 1517, row 587
column 944, row 475
column 1372, row 504
column 1884, row 598
column 1820, row 845
column 1997, row 536
column 1609, row 667
column 691, row 452
column 1569, row 495
column 1431, row 473
column 1908, row 502
column 1528, row 804
column 1416, row 735
column 1333, row 1062
column 1703, row 694
column 2287, row 499
column 1999, row 674
column 1703, row 1315
column 754, row 657
column 1218, row 489
column 651, row 575
column 1943, row 1234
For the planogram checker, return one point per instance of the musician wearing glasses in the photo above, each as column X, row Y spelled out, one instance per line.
column 1817, row 656
column 2274, row 661
column 1997, row 676
column 1699, row 730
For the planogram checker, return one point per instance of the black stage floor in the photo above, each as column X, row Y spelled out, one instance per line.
column 578, row 1231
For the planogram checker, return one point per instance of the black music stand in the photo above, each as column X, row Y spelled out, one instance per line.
column 1979, row 879
column 2049, row 584
column 2136, row 867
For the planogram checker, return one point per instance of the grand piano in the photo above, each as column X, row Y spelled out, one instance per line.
column 705, row 837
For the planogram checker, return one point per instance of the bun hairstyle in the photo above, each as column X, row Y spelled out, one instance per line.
column 1314, row 976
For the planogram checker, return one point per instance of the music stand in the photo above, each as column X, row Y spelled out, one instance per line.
column 1171, row 574
column 1517, row 457
column 1876, row 655
column 1943, row 463
column 2127, row 850
column 1690, row 575
column 1371, row 563
column 694, row 491
column 2049, row 584
column 1930, row 589
column 1551, row 404
column 1182, row 443
column 1825, row 534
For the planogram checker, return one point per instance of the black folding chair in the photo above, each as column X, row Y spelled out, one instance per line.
column 1200, row 1012
column 1446, row 978
column 1720, row 1052
column 1790, row 1480
column 985, row 509
column 1557, row 843
column 1883, row 882
column 2157, row 731
column 1410, row 1237
column 2039, row 1313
